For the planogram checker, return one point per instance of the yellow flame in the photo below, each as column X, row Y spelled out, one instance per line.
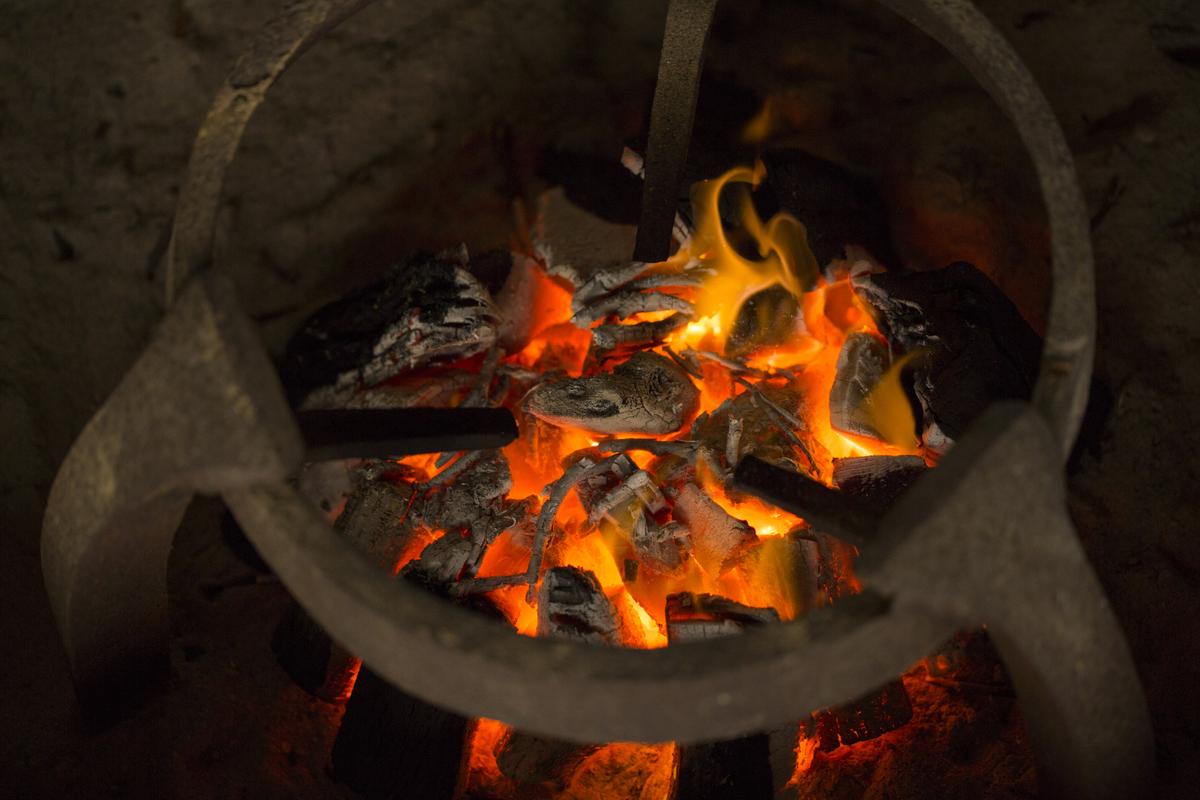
column 890, row 412
column 785, row 257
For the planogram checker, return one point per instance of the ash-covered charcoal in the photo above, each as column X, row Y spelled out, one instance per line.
column 476, row 492
column 571, row 605
column 692, row 617
column 578, row 246
column 766, row 319
column 443, row 562
column 837, row 207
column 716, row 537
column 878, row 481
column 648, row 394
column 426, row 309
column 625, row 501
column 860, row 365
column 883, row 710
column 978, row 348
column 594, row 487
column 664, row 549
column 627, row 302
column 439, row 390
column 611, row 336
column 750, row 425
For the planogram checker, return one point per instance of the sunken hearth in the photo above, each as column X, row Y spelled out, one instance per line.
column 644, row 394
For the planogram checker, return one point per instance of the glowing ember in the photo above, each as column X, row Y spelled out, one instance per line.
column 783, row 374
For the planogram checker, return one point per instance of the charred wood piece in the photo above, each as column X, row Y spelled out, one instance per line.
column 638, row 492
column 427, row 309
column 571, row 605
column 626, row 303
column 877, row 481
column 860, row 365
column 648, row 393
column 438, row 392
column 475, row 491
column 665, row 549
column 594, row 488
column 739, row 768
column 387, row 433
column 879, row 712
column 377, row 519
column 825, row 509
column 609, row 337
column 716, row 536
column 979, row 349
column 693, row 617
column 767, row 318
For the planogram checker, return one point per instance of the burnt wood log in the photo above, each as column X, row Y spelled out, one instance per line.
column 979, row 349
column 738, row 769
column 717, row 538
column 426, row 309
column 377, row 520
column 860, row 365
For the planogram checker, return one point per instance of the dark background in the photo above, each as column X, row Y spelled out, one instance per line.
column 417, row 123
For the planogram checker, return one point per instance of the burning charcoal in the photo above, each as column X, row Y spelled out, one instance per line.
column 595, row 487
column 664, row 549
column 878, row 481
column 626, row 303
column 376, row 519
column 831, row 561
column 860, row 365
column 767, row 318
column 606, row 338
column 424, row 311
column 827, row 509
column 979, row 348
column 739, row 768
column 477, row 491
column 692, row 617
column 883, row 710
column 716, row 536
column 783, row 567
column 442, row 562
column 766, row 432
column 837, row 207
column 970, row 660
column 648, row 394
column 571, row 605
column 627, row 499
column 436, row 391
column 576, row 245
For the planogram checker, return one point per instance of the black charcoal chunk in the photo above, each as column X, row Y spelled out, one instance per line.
column 861, row 363
column 978, row 348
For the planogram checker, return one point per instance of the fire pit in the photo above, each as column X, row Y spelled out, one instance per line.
column 706, row 404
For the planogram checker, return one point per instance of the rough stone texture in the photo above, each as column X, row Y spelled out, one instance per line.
column 98, row 108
